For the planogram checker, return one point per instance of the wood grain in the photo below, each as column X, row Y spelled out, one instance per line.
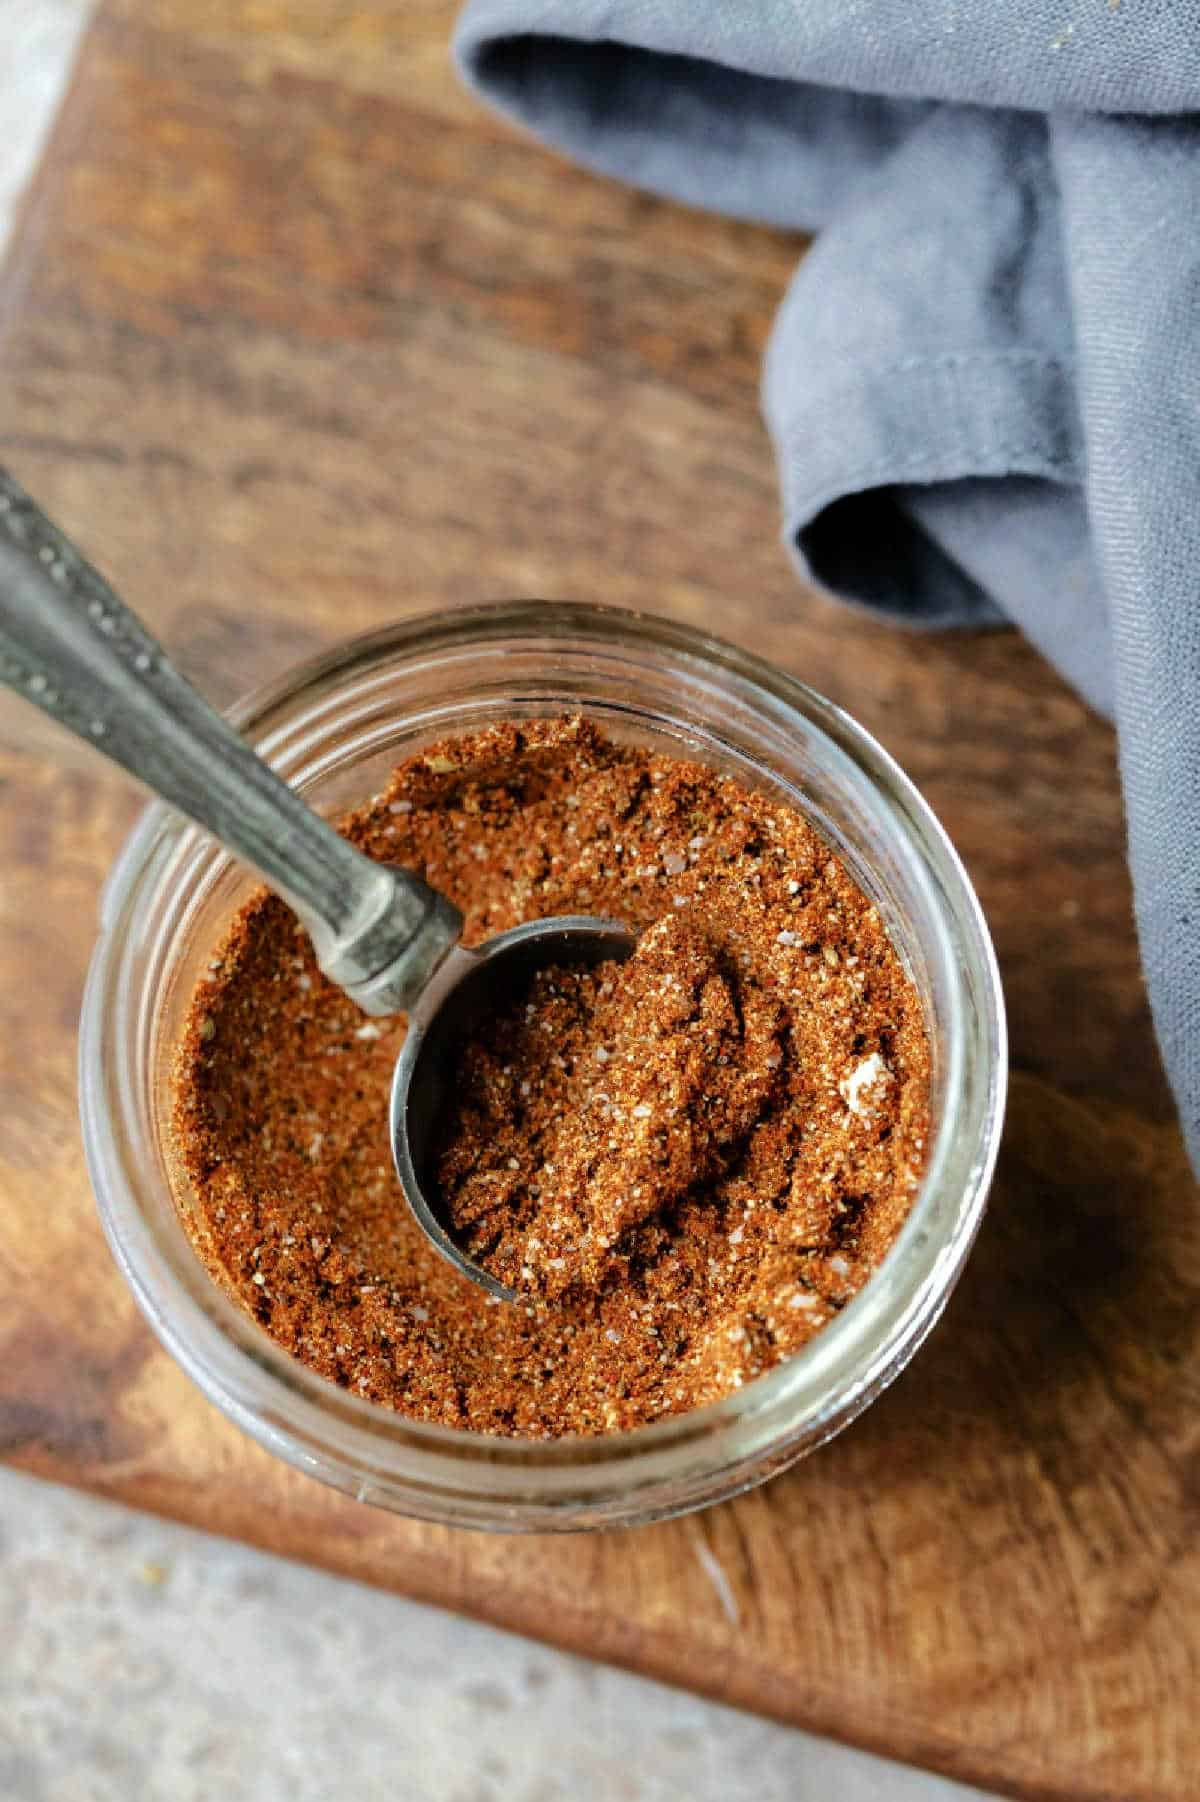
column 296, row 340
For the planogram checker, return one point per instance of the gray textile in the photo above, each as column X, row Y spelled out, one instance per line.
column 984, row 383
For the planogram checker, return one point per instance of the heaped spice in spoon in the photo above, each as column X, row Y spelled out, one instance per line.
column 590, row 1108
column 687, row 1162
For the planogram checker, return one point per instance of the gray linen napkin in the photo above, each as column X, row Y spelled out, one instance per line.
column 984, row 383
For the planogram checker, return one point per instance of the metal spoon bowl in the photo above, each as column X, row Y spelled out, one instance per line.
column 469, row 985
column 69, row 645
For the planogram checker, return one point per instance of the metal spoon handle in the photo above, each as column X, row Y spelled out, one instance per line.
column 71, row 646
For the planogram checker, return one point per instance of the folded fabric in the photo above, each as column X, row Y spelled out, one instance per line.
column 983, row 385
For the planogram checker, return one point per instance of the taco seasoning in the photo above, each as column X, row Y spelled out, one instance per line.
column 687, row 1163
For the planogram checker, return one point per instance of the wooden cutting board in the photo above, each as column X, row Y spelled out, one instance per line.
column 296, row 340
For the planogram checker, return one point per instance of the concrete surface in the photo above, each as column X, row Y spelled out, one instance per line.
column 141, row 1662
column 37, row 41
column 144, row 1662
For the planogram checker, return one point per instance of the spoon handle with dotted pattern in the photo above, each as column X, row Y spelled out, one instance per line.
column 71, row 646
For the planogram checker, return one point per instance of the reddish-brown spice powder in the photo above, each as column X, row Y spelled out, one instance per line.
column 596, row 1101
column 689, row 1162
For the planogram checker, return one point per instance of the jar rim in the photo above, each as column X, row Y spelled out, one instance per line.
column 453, row 1473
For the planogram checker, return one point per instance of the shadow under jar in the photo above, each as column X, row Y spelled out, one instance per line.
column 335, row 728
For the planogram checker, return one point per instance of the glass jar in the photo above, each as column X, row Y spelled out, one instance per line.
column 334, row 728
